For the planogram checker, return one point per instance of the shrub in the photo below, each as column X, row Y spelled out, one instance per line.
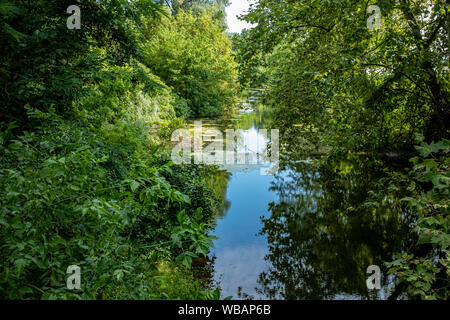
column 98, row 199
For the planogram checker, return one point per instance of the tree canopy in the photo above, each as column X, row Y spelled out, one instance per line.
column 361, row 88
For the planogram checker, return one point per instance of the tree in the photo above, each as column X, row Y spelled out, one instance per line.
column 217, row 7
column 358, row 89
column 323, row 233
column 193, row 56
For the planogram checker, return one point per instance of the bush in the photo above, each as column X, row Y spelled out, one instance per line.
column 426, row 275
column 97, row 199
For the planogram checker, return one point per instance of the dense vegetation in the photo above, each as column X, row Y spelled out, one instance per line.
column 85, row 179
column 374, row 92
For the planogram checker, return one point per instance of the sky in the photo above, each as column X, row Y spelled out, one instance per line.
column 237, row 7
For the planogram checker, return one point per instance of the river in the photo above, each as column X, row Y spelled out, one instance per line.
column 303, row 232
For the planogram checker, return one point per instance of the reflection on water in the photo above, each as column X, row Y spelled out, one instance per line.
column 303, row 233
column 240, row 144
column 322, row 238
column 240, row 251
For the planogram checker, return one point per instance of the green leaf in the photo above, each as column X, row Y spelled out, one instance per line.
column 134, row 185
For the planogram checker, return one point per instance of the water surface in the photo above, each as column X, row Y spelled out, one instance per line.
column 304, row 232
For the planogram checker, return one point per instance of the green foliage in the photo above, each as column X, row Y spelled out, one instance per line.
column 84, row 179
column 427, row 276
column 193, row 228
column 350, row 87
column 193, row 56
column 129, row 92
column 254, row 70
column 335, row 83
column 215, row 7
column 97, row 199
column 48, row 64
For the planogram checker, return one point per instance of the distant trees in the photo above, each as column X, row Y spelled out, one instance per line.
column 216, row 7
column 193, row 56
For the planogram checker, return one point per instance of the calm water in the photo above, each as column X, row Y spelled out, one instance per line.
column 302, row 233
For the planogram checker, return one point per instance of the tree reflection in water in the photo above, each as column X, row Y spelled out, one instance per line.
column 322, row 237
